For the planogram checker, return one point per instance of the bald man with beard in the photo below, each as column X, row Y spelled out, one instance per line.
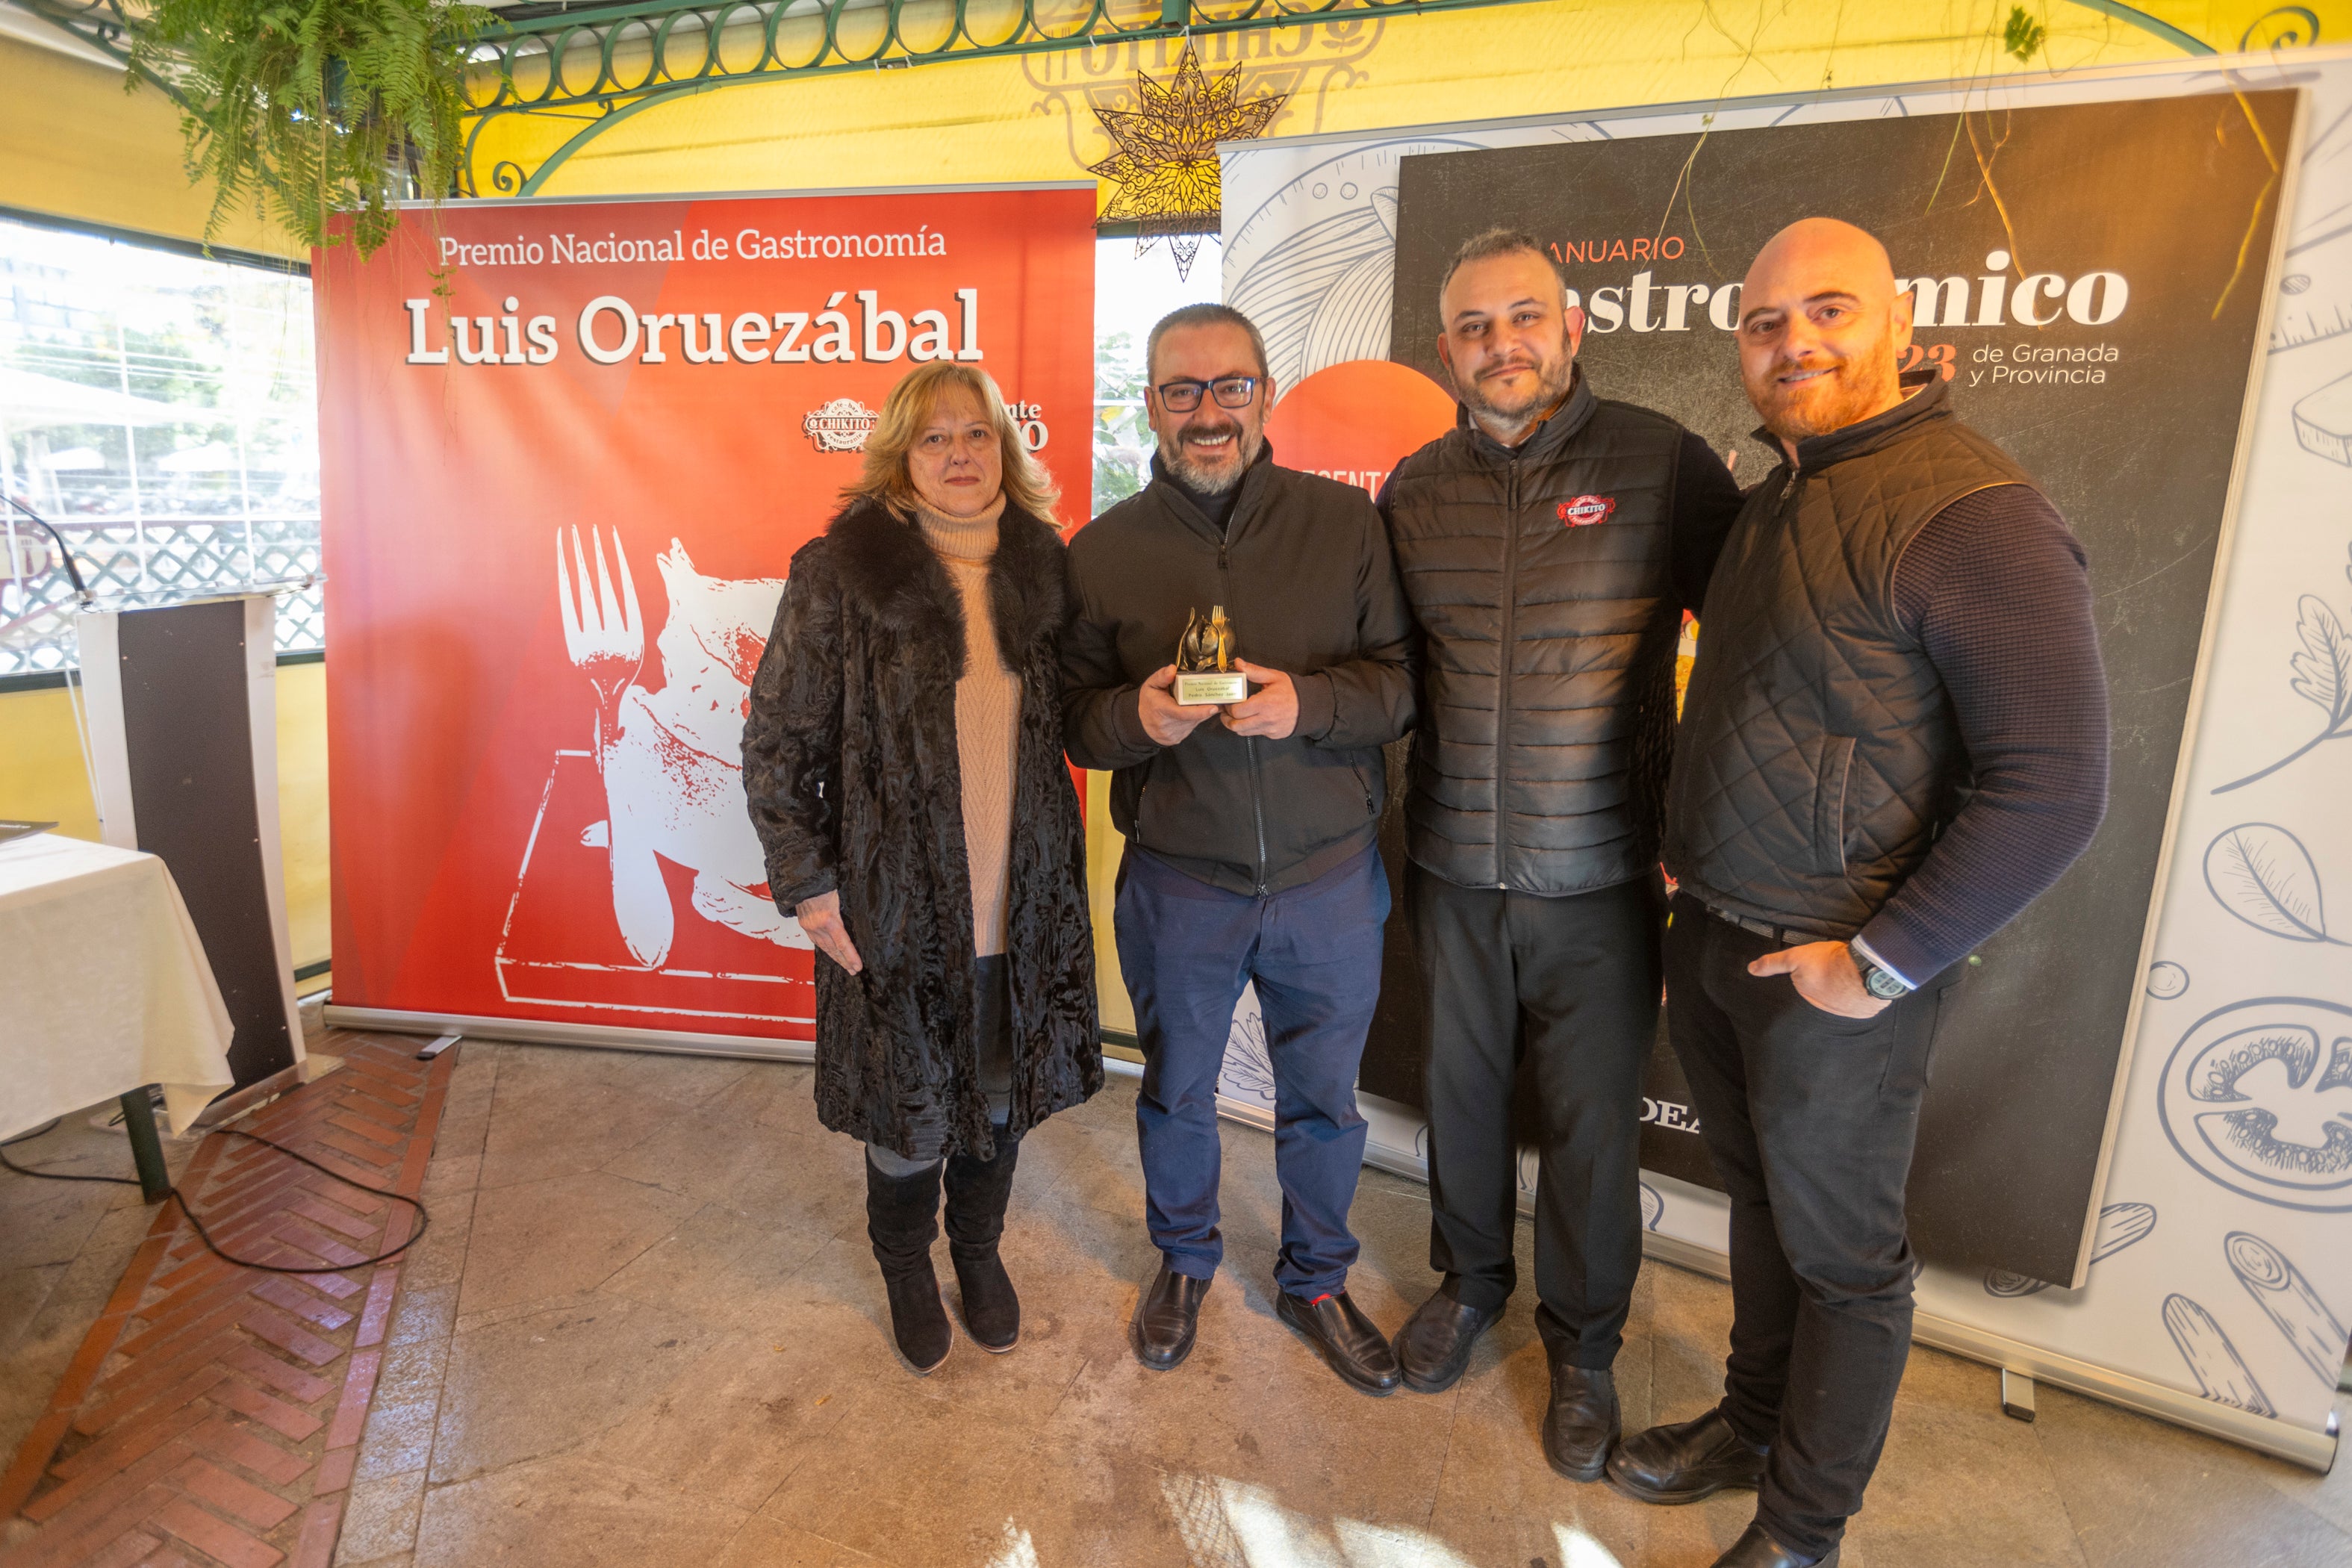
column 1895, row 739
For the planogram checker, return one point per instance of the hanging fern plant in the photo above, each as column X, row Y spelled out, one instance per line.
column 314, row 110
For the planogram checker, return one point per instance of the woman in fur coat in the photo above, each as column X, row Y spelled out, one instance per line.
column 903, row 761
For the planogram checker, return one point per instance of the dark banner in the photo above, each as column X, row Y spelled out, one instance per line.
column 2089, row 278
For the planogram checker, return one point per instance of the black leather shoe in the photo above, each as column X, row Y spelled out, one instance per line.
column 1166, row 1318
column 1356, row 1348
column 1582, row 1422
column 1754, row 1549
column 1433, row 1349
column 1685, row 1461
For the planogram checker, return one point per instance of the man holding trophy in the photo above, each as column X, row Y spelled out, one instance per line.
column 1240, row 653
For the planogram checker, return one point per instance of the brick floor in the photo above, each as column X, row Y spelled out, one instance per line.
column 213, row 1412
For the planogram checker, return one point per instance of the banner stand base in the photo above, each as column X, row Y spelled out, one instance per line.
column 2316, row 1450
column 540, row 1032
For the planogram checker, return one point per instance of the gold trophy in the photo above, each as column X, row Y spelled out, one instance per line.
column 1206, row 671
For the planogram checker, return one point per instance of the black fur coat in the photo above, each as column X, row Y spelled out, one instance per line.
column 849, row 763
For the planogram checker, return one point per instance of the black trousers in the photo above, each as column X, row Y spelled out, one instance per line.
column 1810, row 1119
column 1573, row 981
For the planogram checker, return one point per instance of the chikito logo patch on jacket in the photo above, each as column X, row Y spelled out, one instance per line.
column 1586, row 510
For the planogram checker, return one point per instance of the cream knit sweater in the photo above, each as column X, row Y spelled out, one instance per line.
column 988, row 717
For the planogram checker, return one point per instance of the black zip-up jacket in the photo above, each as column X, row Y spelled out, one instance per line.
column 1304, row 571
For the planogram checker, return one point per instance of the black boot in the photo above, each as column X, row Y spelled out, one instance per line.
column 902, row 1221
column 1687, row 1461
column 978, row 1191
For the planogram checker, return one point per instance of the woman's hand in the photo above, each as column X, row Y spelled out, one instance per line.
column 821, row 918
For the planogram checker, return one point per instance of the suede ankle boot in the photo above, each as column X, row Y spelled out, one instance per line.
column 978, row 1191
column 902, row 1221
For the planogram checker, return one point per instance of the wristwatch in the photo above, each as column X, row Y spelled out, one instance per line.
column 1883, row 983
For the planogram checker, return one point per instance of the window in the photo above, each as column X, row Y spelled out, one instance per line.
column 159, row 409
column 1132, row 291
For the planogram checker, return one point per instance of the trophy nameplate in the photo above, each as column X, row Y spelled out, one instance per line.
column 1206, row 668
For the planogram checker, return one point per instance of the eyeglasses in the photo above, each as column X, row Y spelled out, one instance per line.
column 1183, row 396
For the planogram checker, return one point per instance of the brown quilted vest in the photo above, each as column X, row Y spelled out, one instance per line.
column 1819, row 756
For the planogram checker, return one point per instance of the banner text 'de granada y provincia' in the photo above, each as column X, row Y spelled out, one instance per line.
column 568, row 451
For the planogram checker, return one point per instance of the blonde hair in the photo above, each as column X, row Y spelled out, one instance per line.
column 909, row 407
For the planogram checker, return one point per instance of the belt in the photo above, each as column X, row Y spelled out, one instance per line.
column 1785, row 935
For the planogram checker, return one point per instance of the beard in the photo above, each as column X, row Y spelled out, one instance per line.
column 1553, row 378
column 1852, row 390
column 1213, row 481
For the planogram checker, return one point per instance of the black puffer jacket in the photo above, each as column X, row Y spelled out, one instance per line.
column 849, row 763
column 1549, row 582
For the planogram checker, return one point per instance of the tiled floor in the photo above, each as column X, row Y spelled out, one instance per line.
column 644, row 1329
column 210, row 1413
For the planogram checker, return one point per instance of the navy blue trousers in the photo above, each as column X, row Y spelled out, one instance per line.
column 1314, row 953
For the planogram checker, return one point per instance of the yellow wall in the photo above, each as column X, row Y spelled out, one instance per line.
column 41, row 779
column 74, row 144
column 1032, row 117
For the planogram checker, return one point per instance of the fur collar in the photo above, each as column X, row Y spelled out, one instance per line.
column 891, row 574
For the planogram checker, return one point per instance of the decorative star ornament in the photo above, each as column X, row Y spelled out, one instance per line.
column 1165, row 167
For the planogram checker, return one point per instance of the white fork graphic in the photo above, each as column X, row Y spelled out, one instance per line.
column 607, row 643
column 606, row 639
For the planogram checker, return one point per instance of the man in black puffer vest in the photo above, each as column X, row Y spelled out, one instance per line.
column 1895, row 738
column 1549, row 544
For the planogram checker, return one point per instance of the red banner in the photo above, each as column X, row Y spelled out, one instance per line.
column 560, row 497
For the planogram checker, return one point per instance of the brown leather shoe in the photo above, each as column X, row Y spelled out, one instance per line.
column 1165, row 1317
column 1581, row 1424
column 1685, row 1461
column 1754, row 1549
column 1356, row 1348
column 1433, row 1350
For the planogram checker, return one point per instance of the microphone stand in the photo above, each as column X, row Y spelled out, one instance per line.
column 65, row 552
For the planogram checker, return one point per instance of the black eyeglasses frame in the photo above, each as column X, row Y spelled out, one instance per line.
column 1196, row 390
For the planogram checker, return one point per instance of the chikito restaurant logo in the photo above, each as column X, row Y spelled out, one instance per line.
column 841, row 426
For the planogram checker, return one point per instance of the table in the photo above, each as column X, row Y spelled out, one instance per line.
column 108, row 991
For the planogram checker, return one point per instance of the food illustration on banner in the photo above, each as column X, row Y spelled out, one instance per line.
column 2167, row 981
column 2322, row 674
column 2221, row 1371
column 2258, row 1097
column 654, row 812
column 2286, row 1297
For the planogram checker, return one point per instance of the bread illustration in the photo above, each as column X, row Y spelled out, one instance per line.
column 2220, row 1372
column 2279, row 1287
column 2120, row 1225
column 2323, row 421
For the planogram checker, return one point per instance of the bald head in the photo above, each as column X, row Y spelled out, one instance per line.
column 1821, row 327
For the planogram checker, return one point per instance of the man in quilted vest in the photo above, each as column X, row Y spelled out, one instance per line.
column 1549, row 543
column 1895, row 738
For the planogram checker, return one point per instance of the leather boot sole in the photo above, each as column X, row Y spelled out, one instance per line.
column 1134, row 1343
column 1681, row 1495
column 1281, row 1310
column 993, row 1349
column 1591, row 1472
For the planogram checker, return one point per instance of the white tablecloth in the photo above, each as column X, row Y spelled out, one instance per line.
column 103, row 984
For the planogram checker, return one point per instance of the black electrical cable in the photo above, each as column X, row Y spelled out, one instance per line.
column 423, row 1218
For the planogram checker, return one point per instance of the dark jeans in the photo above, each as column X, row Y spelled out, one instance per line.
column 1573, row 981
column 1314, row 950
column 1810, row 1119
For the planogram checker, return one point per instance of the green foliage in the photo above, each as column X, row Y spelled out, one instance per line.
column 1123, row 442
column 2023, row 36
column 315, row 109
